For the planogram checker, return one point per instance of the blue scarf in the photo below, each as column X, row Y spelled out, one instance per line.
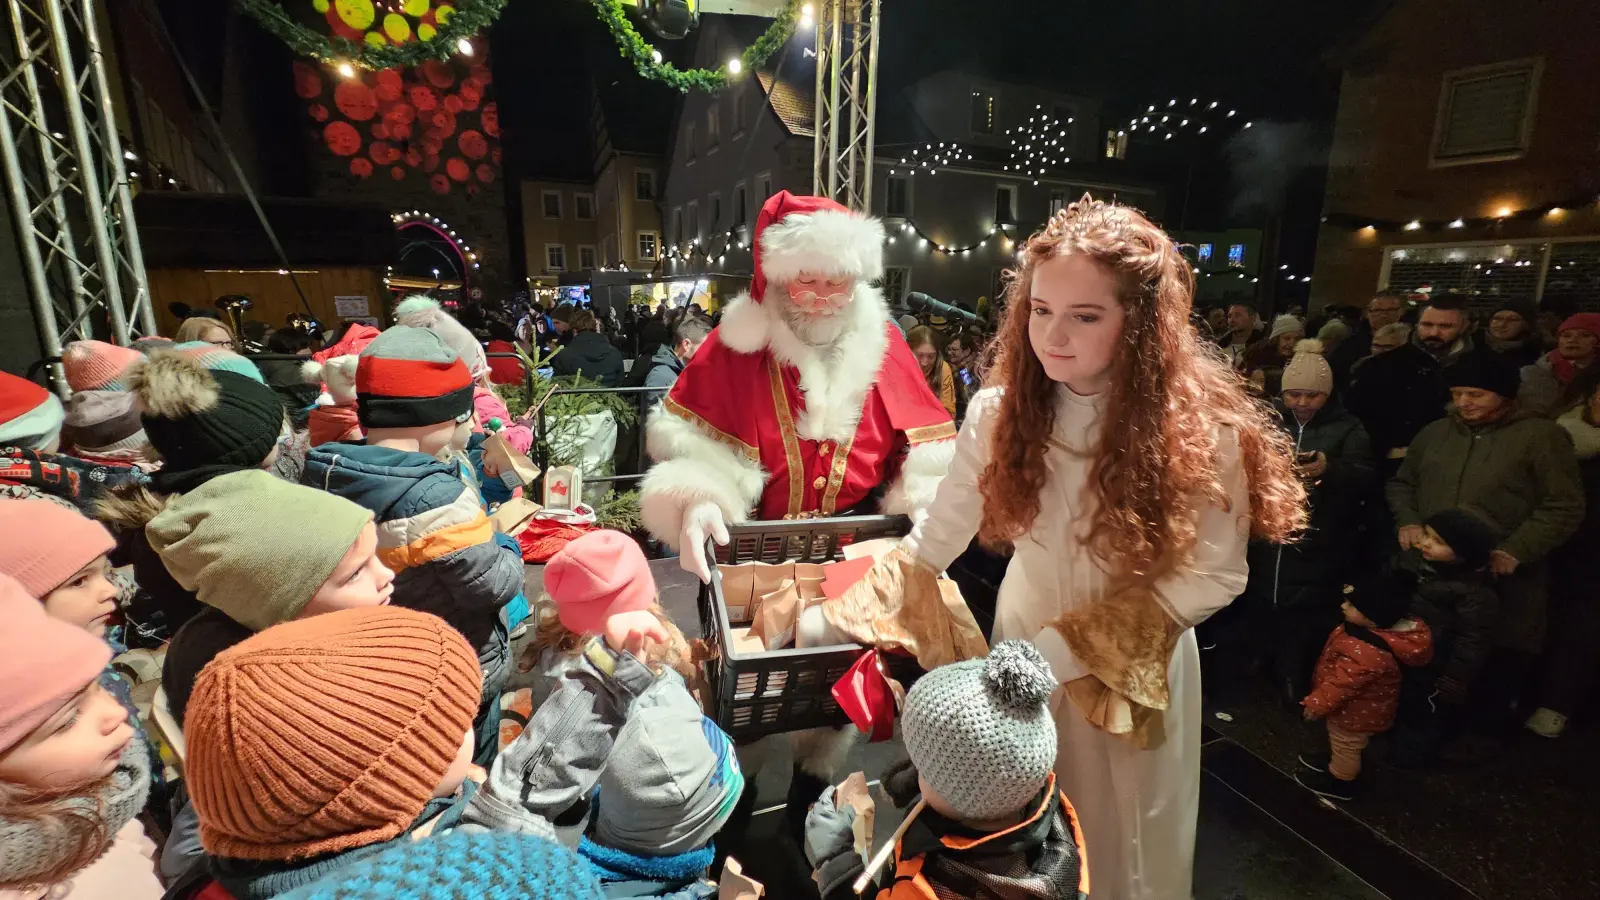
column 609, row 864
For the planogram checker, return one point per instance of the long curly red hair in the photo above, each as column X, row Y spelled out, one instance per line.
column 1156, row 464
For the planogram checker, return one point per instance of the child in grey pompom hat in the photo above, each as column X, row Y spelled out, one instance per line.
column 980, row 732
column 982, row 744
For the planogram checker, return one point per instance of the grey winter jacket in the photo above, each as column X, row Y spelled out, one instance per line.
column 1520, row 472
column 555, row 763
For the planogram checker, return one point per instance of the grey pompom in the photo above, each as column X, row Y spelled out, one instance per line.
column 1018, row 677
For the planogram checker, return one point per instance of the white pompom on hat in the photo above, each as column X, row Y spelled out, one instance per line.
column 1308, row 371
column 422, row 311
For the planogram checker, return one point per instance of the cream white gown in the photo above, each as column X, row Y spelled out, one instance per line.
column 1138, row 807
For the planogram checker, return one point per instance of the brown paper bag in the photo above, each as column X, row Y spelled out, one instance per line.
column 776, row 615
column 514, row 515
column 855, row 794
column 516, row 470
column 735, row 885
column 808, row 582
column 746, row 643
column 738, row 591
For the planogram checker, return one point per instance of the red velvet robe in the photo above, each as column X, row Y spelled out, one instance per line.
column 751, row 401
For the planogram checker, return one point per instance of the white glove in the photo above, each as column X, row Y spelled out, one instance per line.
column 698, row 521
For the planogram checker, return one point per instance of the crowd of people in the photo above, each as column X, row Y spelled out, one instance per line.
column 1451, row 463
column 260, row 620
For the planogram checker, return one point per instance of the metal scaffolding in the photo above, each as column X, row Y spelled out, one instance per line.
column 66, row 181
column 847, row 101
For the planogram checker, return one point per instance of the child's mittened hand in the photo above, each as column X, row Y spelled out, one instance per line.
column 828, row 829
column 1312, row 715
column 632, row 632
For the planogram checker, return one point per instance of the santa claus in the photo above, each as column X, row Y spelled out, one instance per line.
column 805, row 402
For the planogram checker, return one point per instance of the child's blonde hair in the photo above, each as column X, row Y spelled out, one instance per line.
column 62, row 815
column 675, row 654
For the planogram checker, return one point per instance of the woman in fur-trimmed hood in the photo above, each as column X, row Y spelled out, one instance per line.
column 203, row 423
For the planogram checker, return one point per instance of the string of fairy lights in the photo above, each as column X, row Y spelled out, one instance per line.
column 1179, row 118
column 1038, row 146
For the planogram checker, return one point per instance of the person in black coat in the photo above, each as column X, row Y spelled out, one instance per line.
column 589, row 353
column 1383, row 309
column 1295, row 590
column 1513, row 335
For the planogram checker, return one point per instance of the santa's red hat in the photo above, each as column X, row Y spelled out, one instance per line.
column 814, row 235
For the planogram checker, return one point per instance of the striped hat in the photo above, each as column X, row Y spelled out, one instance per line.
column 409, row 378
column 30, row 416
column 101, row 422
column 219, row 360
column 97, row 365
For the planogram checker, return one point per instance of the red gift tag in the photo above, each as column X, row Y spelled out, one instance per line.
column 867, row 697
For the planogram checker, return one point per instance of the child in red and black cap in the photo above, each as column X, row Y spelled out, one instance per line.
column 414, row 399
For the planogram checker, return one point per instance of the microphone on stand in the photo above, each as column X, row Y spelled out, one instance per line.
column 923, row 303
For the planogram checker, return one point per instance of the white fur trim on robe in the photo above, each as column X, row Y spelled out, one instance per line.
column 833, row 380
column 925, row 466
column 693, row 467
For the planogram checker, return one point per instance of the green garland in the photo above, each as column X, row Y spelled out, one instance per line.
column 470, row 17
column 633, row 47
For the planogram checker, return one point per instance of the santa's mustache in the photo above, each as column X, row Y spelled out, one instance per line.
column 816, row 330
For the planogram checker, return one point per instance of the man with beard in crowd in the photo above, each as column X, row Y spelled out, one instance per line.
column 1245, row 328
column 1396, row 393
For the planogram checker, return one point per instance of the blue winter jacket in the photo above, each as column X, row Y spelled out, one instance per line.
column 433, row 532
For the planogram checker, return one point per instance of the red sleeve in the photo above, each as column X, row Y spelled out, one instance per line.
column 913, row 409
column 715, row 392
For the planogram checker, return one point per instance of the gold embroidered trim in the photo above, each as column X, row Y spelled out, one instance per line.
column 791, row 440
column 713, row 432
column 841, row 462
column 940, row 432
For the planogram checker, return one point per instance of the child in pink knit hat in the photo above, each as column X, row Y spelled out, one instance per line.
column 98, row 366
column 73, row 771
column 597, row 576
column 60, row 557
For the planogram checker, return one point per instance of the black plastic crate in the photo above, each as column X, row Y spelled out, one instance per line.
column 773, row 691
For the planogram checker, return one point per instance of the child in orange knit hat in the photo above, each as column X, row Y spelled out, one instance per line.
column 73, row 772
column 320, row 741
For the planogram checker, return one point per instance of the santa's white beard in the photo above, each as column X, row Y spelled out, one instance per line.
column 818, row 331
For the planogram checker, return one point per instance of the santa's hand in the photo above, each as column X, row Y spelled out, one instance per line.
column 698, row 521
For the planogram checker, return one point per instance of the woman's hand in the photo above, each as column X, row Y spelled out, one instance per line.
column 1410, row 536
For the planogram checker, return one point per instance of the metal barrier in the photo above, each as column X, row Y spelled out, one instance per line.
column 643, row 397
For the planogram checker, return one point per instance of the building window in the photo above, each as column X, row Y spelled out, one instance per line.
column 1203, row 252
column 676, row 236
column 644, row 185
column 694, row 223
column 982, row 112
column 1486, row 113
column 583, row 206
column 1116, row 145
column 1005, row 204
column 1058, row 202
column 739, row 206
column 897, row 199
column 714, row 203
column 688, row 142
column 736, row 110
column 552, row 204
column 586, row 257
column 896, row 282
column 555, row 257
column 1236, row 255
column 713, row 117
column 765, row 180
column 647, row 245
